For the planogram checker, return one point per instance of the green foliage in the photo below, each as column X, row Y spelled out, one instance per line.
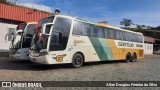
column 126, row 22
column 5, row 2
column 149, row 33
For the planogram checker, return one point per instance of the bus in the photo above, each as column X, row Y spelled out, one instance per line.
column 67, row 39
column 21, row 41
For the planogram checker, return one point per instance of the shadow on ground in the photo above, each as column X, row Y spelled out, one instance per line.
column 28, row 65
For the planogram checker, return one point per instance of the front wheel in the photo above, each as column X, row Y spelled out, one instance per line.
column 77, row 60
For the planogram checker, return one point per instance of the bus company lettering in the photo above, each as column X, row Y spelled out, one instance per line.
column 138, row 45
column 126, row 44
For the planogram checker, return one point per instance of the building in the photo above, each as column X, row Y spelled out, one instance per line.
column 11, row 16
column 151, row 45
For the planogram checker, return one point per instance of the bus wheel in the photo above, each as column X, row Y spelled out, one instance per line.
column 77, row 60
column 128, row 58
column 134, row 57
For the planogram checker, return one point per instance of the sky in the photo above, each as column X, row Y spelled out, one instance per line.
column 143, row 12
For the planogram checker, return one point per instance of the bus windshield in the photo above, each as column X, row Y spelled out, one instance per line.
column 21, row 26
column 27, row 36
column 16, row 40
column 40, row 41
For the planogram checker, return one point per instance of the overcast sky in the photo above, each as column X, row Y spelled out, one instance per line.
column 145, row 12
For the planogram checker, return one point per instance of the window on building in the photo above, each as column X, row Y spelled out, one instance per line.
column 10, row 34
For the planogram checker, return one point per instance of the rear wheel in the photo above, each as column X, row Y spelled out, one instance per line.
column 77, row 60
column 128, row 58
column 134, row 57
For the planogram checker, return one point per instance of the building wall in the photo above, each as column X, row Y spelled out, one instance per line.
column 21, row 14
column 148, row 49
column 10, row 17
column 4, row 28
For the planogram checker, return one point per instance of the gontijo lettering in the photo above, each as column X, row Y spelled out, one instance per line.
column 126, row 44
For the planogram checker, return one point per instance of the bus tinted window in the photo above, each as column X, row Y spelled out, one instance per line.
column 93, row 31
column 134, row 37
column 105, row 32
column 100, row 32
column 46, row 20
column 81, row 28
column 128, row 36
column 96, row 31
column 124, row 35
column 140, row 38
column 31, row 29
column 111, row 33
column 118, row 37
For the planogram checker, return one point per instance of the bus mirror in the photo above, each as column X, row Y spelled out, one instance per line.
column 47, row 28
column 19, row 32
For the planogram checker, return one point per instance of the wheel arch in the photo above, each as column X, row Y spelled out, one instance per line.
column 135, row 54
column 79, row 52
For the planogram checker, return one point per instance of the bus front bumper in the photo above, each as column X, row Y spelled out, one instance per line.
column 18, row 56
column 39, row 59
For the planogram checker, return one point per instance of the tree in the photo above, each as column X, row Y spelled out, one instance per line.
column 158, row 27
column 143, row 27
column 5, row 2
column 126, row 22
column 139, row 26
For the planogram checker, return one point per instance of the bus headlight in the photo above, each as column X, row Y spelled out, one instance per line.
column 43, row 53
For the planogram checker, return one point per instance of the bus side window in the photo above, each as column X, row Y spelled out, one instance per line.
column 118, row 35
column 127, row 39
column 100, row 31
column 93, row 31
column 132, row 37
column 112, row 33
column 121, row 35
column 85, row 29
column 109, row 34
column 105, row 32
column 128, row 36
column 124, row 35
column 135, row 37
column 140, row 39
column 76, row 29
column 81, row 28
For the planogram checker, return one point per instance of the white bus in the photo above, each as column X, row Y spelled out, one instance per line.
column 65, row 39
column 21, row 41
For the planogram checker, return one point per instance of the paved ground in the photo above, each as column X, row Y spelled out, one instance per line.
column 147, row 69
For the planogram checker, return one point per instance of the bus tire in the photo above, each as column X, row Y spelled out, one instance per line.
column 128, row 58
column 77, row 60
column 134, row 57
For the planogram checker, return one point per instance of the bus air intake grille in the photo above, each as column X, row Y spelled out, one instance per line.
column 140, row 53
